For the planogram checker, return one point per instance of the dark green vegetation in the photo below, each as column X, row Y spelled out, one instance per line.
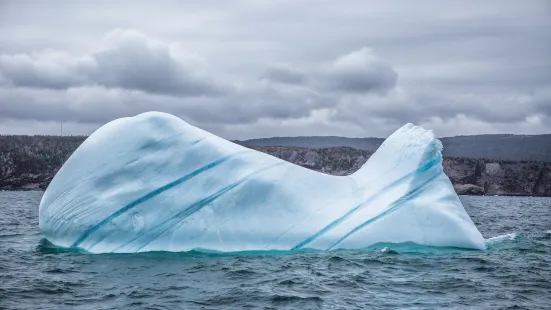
column 30, row 162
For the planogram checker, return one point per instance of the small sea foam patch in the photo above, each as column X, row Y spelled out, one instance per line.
column 501, row 238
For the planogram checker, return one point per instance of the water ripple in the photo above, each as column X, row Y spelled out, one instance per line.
column 514, row 273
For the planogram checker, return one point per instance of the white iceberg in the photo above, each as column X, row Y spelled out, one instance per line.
column 155, row 183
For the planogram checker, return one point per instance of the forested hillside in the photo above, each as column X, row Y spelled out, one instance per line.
column 32, row 161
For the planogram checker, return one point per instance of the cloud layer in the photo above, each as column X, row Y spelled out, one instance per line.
column 132, row 73
column 345, row 70
column 127, row 59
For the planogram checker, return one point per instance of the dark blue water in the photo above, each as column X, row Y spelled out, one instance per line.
column 514, row 273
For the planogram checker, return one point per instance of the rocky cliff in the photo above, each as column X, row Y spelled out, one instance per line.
column 30, row 162
column 469, row 176
column 499, row 177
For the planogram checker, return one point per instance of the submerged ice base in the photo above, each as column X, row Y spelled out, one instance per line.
column 155, row 183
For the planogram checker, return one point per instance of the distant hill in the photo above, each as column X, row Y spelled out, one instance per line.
column 498, row 147
column 368, row 144
column 30, row 162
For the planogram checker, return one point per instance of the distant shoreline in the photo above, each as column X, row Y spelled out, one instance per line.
column 31, row 162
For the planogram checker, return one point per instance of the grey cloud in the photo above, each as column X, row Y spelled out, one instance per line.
column 136, row 62
column 401, row 106
column 49, row 69
column 360, row 72
column 542, row 102
column 284, row 74
column 98, row 104
column 132, row 73
column 471, row 67
column 80, row 104
column 129, row 60
column 265, row 100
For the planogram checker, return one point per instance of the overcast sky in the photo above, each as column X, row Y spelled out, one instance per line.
column 247, row 69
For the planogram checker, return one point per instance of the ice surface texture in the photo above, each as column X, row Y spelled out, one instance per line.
column 155, row 183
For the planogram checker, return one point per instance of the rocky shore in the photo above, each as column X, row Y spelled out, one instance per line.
column 30, row 163
column 469, row 176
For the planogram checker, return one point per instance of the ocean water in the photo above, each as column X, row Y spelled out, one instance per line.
column 514, row 273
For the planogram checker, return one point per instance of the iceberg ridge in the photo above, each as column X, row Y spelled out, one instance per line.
column 155, row 183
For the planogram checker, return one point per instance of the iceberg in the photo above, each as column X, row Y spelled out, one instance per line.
column 153, row 182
